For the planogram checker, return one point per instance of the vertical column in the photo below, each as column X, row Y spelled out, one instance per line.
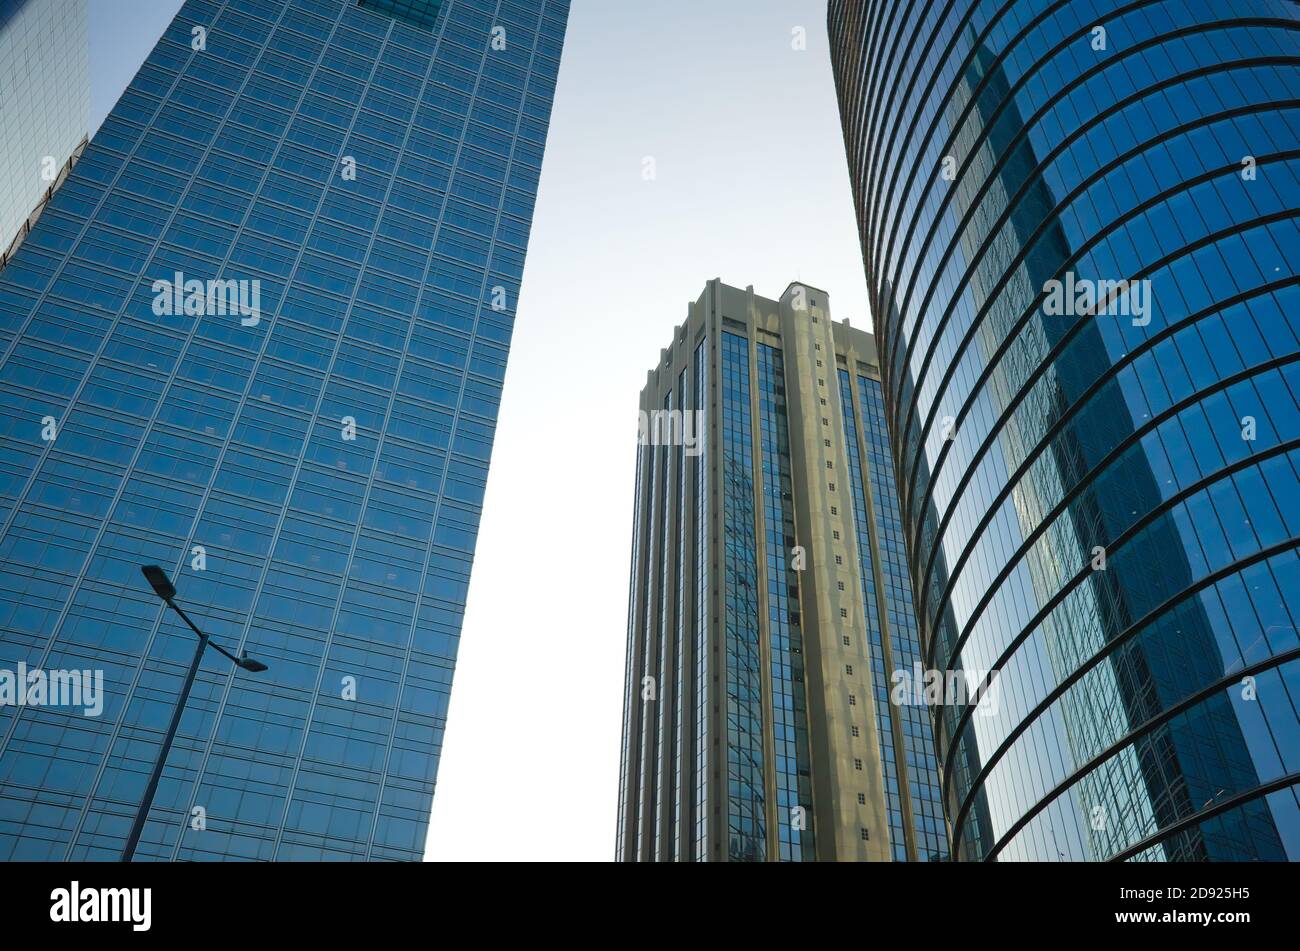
column 631, row 764
column 848, row 793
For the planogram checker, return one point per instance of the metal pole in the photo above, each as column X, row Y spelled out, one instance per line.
column 128, row 853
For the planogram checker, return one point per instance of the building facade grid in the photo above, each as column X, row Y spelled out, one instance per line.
column 313, row 477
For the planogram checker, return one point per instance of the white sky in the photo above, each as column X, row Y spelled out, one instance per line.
column 750, row 186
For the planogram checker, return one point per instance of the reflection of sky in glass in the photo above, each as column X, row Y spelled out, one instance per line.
column 1076, row 433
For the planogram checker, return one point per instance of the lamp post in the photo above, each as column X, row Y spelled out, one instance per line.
column 163, row 587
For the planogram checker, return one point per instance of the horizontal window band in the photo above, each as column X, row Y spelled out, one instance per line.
column 1122, row 539
column 1044, row 445
column 1282, row 782
column 1132, row 631
column 1058, row 349
column 1047, row 222
column 890, row 356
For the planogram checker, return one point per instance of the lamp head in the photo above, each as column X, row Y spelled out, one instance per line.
column 159, row 581
column 250, row 665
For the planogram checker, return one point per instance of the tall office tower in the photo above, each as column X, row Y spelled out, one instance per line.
column 770, row 603
column 1075, row 220
column 302, row 442
column 44, row 107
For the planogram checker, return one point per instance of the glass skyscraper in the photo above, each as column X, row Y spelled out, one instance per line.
column 356, row 181
column 1079, row 224
column 44, row 106
column 770, row 602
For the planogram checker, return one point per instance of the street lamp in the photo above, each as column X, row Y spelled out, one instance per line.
column 163, row 587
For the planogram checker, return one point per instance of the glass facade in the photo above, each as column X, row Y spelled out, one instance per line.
column 659, row 724
column 422, row 13
column 700, row 825
column 309, row 470
column 912, row 803
column 789, row 704
column 44, row 103
column 646, row 679
column 663, row 775
column 880, row 666
column 904, row 646
column 1075, row 220
column 745, row 802
column 675, row 751
column 631, row 688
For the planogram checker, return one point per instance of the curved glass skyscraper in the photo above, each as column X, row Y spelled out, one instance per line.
column 1079, row 223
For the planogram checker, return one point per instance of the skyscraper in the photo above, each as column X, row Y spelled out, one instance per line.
column 259, row 338
column 1078, row 223
column 44, row 106
column 769, row 601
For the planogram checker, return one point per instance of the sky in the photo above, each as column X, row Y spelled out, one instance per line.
column 750, row 185
column 121, row 34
